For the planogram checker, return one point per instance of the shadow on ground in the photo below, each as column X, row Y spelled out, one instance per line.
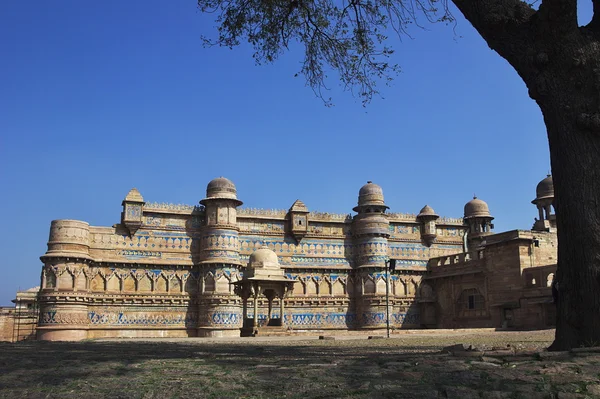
column 299, row 369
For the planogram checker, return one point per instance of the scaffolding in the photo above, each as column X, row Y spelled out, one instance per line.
column 25, row 316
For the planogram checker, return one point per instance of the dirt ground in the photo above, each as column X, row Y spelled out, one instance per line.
column 501, row 365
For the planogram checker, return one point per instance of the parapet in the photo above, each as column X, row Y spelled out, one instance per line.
column 68, row 238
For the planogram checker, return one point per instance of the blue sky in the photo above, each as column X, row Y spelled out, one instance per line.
column 100, row 97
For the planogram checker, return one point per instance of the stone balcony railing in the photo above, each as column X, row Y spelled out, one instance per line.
column 455, row 259
column 456, row 264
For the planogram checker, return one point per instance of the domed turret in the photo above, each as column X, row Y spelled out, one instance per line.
column 478, row 218
column 544, row 200
column 219, row 253
column 220, row 240
column 427, row 217
column 221, row 188
column 427, row 211
column 545, row 189
column 370, row 228
column 476, row 208
column 370, row 194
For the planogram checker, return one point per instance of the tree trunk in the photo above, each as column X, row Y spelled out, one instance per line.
column 564, row 79
column 575, row 158
column 560, row 64
column 565, row 82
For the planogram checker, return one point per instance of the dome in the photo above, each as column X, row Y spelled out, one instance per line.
column 263, row 263
column 370, row 194
column 545, row 188
column 427, row 211
column 221, row 188
column 477, row 208
column 263, row 257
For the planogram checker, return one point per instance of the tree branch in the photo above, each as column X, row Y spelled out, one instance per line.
column 595, row 22
column 503, row 24
column 558, row 17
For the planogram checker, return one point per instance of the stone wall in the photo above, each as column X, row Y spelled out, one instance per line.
column 17, row 325
column 505, row 284
column 168, row 270
column 6, row 323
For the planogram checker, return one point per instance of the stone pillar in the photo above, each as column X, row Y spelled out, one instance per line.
column 255, row 319
column 282, row 308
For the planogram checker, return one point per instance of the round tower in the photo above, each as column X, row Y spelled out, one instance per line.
column 370, row 231
column 219, row 307
column 64, row 286
column 370, row 228
column 544, row 201
column 219, row 243
column 478, row 219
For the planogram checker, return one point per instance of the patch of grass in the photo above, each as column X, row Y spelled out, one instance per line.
column 404, row 366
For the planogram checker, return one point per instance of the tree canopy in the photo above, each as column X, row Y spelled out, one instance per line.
column 350, row 38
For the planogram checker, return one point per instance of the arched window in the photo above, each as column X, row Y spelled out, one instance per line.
column 50, row 280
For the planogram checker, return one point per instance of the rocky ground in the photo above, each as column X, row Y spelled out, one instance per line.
column 415, row 365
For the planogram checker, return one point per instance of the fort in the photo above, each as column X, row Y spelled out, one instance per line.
column 218, row 269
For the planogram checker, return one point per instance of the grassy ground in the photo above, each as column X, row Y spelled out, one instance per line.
column 406, row 366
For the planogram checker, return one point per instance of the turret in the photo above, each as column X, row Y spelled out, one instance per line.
column 479, row 221
column 64, row 286
column 544, row 201
column 298, row 220
column 370, row 228
column 220, row 239
column 427, row 217
column 131, row 217
column 219, row 309
column 370, row 233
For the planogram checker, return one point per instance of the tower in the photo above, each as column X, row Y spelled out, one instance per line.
column 544, row 201
column 370, row 233
column 219, row 312
column 478, row 219
column 64, row 292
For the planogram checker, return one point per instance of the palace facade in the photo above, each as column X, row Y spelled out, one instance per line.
column 218, row 269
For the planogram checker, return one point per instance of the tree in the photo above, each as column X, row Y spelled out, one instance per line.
column 558, row 60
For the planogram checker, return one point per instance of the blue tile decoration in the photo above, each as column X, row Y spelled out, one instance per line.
column 148, row 318
column 170, row 251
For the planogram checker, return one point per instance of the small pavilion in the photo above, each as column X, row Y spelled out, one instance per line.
column 263, row 276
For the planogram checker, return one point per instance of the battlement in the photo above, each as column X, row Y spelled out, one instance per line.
column 455, row 259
